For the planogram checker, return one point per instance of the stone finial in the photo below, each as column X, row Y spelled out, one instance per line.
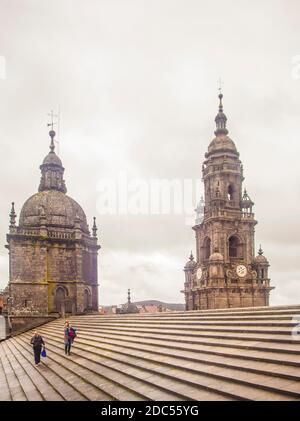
column 95, row 229
column 52, row 132
column 128, row 297
column 52, row 135
column 221, row 119
column 12, row 215
column 260, row 251
column 191, row 256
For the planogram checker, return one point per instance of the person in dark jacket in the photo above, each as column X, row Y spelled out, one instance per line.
column 68, row 339
column 37, row 343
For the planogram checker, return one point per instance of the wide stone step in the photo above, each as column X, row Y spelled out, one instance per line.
column 12, row 382
column 147, row 318
column 198, row 323
column 144, row 373
column 57, row 381
column 28, row 386
column 160, row 376
column 97, row 386
column 228, row 375
column 290, row 369
column 48, row 391
column 228, row 354
column 246, row 339
column 271, row 343
column 125, row 386
column 5, row 394
column 198, row 331
column 72, row 379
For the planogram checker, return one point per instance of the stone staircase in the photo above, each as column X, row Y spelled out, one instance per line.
column 231, row 354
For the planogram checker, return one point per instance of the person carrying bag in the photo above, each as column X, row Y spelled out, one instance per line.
column 37, row 343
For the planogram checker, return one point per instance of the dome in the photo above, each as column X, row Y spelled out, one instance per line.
column 216, row 256
column 57, row 208
column 222, row 143
column 191, row 264
column 261, row 259
column 52, row 159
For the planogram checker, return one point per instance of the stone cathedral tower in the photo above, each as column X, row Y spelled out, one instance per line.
column 226, row 272
column 52, row 255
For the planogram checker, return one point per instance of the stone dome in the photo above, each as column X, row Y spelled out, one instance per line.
column 222, row 143
column 52, row 159
column 58, row 209
column 261, row 259
column 216, row 256
column 191, row 264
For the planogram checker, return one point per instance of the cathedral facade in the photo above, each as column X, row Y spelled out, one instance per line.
column 226, row 272
column 52, row 254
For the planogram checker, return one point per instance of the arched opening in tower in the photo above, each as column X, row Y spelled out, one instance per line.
column 235, row 247
column 87, row 300
column 207, row 248
column 230, row 192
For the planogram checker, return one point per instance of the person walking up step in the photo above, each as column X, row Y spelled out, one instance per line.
column 37, row 343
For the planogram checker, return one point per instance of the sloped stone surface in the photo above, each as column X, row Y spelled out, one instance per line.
column 232, row 354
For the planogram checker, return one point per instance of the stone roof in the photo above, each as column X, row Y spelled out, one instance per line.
column 222, row 143
column 57, row 208
column 230, row 354
column 52, row 159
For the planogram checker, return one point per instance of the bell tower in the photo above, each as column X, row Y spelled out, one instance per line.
column 226, row 272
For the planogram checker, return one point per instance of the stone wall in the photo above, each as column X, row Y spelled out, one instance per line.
column 28, row 260
column 22, row 323
column 29, row 298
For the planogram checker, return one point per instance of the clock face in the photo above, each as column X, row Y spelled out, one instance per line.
column 199, row 273
column 241, row 271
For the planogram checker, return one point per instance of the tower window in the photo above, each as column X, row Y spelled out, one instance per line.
column 230, row 192
column 233, row 246
column 206, row 248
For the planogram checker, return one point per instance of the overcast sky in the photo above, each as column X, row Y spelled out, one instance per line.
column 136, row 82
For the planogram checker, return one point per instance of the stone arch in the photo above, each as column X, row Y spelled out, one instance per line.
column 235, row 247
column 87, row 299
column 230, row 192
column 206, row 248
column 60, row 296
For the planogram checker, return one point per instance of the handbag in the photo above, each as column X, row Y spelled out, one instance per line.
column 43, row 353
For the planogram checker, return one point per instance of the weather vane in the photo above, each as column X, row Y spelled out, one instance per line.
column 52, row 124
column 52, row 119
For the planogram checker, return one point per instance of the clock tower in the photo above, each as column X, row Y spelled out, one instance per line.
column 226, row 272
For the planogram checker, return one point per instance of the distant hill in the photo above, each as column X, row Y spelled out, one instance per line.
column 171, row 306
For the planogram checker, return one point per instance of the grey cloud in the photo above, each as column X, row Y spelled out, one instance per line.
column 136, row 82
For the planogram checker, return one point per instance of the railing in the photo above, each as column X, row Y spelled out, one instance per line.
column 247, row 215
column 33, row 232
column 28, row 231
column 222, row 167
